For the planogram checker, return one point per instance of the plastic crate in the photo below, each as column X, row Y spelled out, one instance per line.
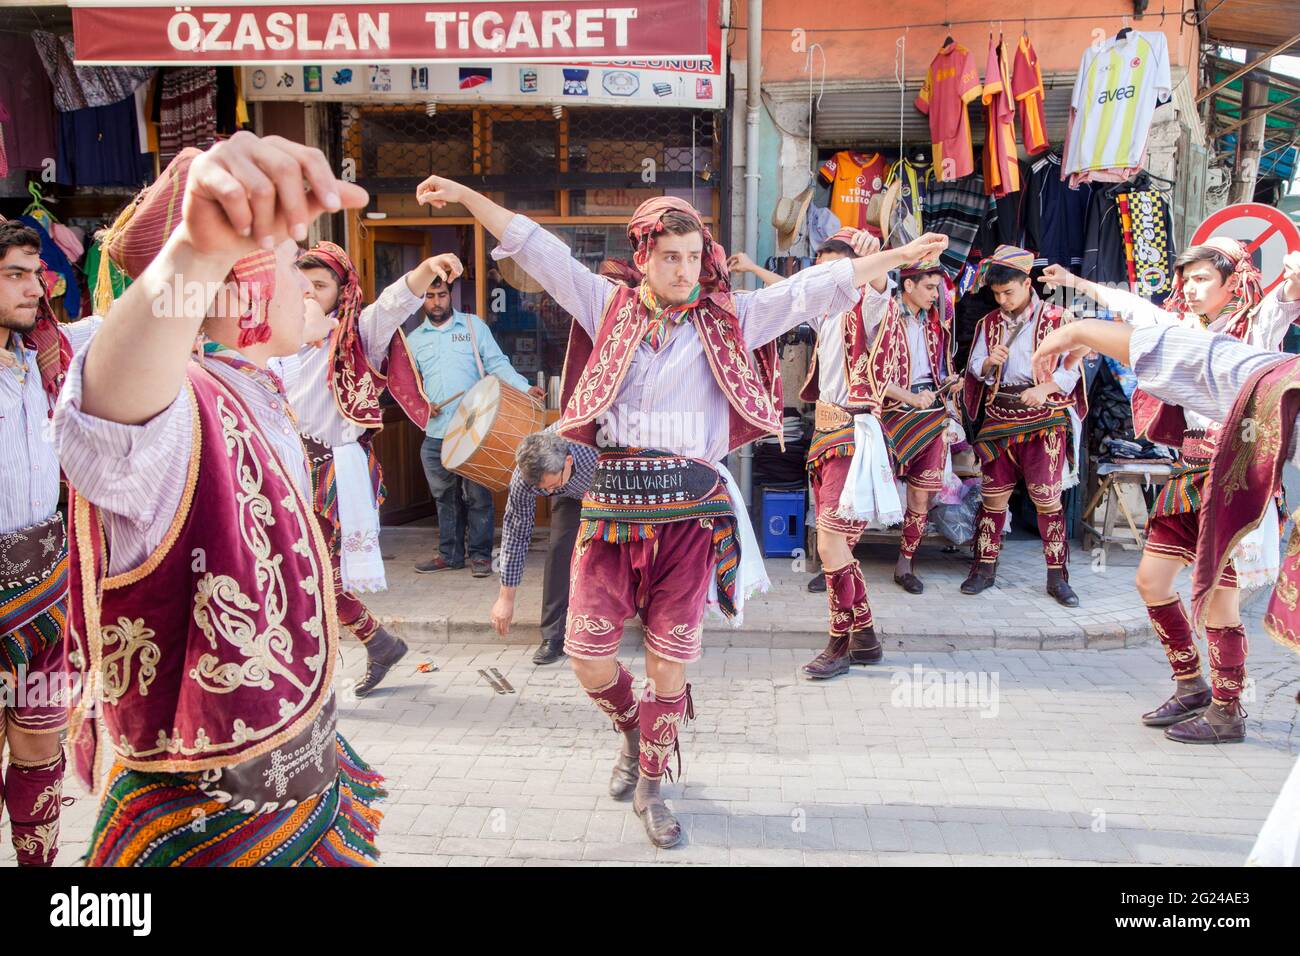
column 783, row 521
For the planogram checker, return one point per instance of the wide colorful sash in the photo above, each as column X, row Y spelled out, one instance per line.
column 324, row 484
column 635, row 490
column 33, row 591
column 996, row 436
column 1181, row 494
column 910, row 431
column 833, row 444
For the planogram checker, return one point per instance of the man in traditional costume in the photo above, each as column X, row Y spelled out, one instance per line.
column 35, row 351
column 202, row 615
column 837, row 385
column 666, row 372
column 911, row 367
column 1025, row 433
column 334, row 386
column 1216, row 288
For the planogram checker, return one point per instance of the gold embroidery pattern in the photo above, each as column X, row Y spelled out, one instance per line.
column 589, row 624
column 130, row 638
column 657, row 754
column 598, row 384
column 43, row 839
column 53, row 795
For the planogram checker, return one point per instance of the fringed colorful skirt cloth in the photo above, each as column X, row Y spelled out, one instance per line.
column 166, row 819
column 33, row 592
column 917, row 444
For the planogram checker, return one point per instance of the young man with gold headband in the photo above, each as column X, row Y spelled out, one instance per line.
column 1026, row 430
column 35, row 351
column 667, row 371
column 334, row 386
column 1216, row 288
column 202, row 620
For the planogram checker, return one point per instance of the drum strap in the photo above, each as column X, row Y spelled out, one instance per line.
column 473, row 341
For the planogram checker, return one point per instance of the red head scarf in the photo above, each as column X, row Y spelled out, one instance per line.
column 142, row 229
column 1236, row 316
column 647, row 223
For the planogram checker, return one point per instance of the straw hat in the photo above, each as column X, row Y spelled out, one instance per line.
column 515, row 275
column 788, row 217
column 880, row 208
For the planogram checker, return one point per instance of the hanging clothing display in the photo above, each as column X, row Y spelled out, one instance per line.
column 1103, row 240
column 1153, row 244
column 187, row 110
column 4, row 158
column 1054, row 215
column 1001, row 171
column 1126, row 230
column 951, row 83
column 57, row 263
column 1112, row 105
column 957, row 210
column 77, row 87
column 907, row 221
column 26, row 91
column 854, row 178
column 100, row 146
column 1027, row 90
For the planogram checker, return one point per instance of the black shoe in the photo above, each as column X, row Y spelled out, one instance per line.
column 909, row 582
column 480, row 569
column 549, row 652
column 438, row 563
column 1059, row 588
column 661, row 825
column 383, row 650
column 981, row 578
column 817, row 585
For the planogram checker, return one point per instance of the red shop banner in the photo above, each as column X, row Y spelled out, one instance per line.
column 144, row 32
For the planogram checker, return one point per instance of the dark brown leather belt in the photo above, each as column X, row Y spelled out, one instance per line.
column 31, row 554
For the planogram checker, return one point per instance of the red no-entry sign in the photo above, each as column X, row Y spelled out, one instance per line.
column 1267, row 232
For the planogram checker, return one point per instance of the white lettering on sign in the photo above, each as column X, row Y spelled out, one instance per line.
column 276, row 31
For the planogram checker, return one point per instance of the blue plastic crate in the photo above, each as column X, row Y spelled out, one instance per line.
column 783, row 520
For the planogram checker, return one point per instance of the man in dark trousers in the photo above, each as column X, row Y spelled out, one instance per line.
column 545, row 464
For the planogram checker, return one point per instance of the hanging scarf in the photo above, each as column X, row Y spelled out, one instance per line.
column 662, row 318
column 53, row 353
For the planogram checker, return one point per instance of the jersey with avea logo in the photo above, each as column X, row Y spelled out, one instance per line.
column 1115, row 96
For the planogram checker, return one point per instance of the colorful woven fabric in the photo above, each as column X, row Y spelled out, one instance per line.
column 32, row 618
column 828, row 445
column 909, row 432
column 1181, row 494
column 160, row 819
column 324, row 490
column 996, row 436
column 188, row 111
column 1012, row 257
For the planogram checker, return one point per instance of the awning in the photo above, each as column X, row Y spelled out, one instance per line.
column 148, row 32
column 1257, row 24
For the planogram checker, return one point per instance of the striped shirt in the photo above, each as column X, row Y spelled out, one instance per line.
column 1199, row 371
column 135, row 474
column 306, row 375
column 1114, row 99
column 29, row 468
column 521, row 510
column 669, row 399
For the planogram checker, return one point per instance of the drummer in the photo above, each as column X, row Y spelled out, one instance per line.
column 546, row 465
column 453, row 350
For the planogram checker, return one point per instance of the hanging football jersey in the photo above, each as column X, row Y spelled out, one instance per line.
column 854, row 178
column 1001, row 172
column 951, row 83
column 1114, row 99
column 1027, row 90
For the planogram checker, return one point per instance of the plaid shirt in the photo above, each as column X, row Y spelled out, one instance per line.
column 521, row 511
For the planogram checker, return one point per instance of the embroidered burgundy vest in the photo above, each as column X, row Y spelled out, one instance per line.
column 1244, row 473
column 891, row 358
column 221, row 645
column 1050, row 318
column 594, row 371
column 357, row 386
column 853, row 329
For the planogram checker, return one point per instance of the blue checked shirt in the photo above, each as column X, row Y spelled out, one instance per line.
column 521, row 510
